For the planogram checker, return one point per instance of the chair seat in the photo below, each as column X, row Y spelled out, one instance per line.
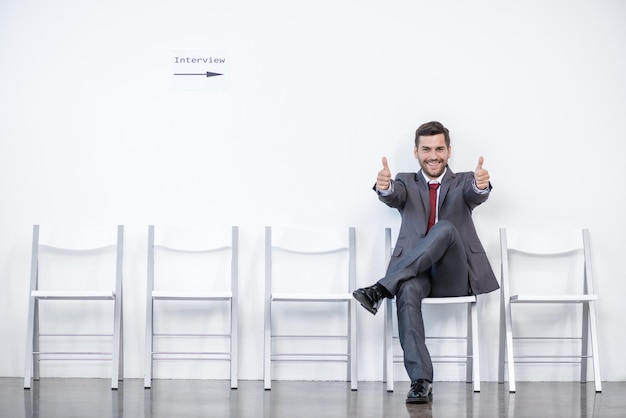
column 312, row 297
column 73, row 295
column 447, row 300
column 552, row 298
column 191, row 295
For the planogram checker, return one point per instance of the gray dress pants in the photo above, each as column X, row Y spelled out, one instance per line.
column 437, row 267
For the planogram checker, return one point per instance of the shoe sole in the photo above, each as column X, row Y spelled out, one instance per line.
column 420, row 400
column 363, row 303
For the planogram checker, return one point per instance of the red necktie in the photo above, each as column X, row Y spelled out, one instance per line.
column 433, row 204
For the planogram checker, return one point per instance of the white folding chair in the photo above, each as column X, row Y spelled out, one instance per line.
column 304, row 268
column 546, row 269
column 197, row 265
column 75, row 298
column 471, row 356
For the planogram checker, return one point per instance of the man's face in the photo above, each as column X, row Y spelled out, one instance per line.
column 432, row 154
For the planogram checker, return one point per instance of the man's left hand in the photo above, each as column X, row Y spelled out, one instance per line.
column 481, row 175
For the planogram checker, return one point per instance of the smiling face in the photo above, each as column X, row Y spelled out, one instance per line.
column 432, row 154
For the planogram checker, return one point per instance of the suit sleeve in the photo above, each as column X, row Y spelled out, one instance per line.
column 397, row 198
column 471, row 196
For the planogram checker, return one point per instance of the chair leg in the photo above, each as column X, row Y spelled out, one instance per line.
column 30, row 340
column 36, row 344
column 353, row 364
column 118, row 307
column 388, row 374
column 147, row 377
column 501, row 344
column 594, row 346
column 267, row 355
column 508, row 324
column 584, row 346
column 233, row 345
column 32, row 331
column 120, row 368
column 469, row 349
column 472, row 334
column 117, row 343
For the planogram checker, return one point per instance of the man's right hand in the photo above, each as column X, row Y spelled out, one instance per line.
column 384, row 177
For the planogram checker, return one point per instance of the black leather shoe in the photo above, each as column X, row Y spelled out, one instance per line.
column 369, row 297
column 421, row 392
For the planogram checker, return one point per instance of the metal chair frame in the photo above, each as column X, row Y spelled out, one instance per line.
column 589, row 335
column 34, row 355
column 156, row 295
column 271, row 298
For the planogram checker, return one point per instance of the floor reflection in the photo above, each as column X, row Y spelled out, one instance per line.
column 66, row 398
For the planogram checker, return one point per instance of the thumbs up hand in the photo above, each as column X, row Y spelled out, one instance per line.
column 481, row 175
column 384, row 177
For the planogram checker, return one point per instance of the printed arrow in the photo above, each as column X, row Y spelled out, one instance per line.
column 207, row 74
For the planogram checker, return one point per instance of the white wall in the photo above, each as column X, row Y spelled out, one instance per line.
column 94, row 130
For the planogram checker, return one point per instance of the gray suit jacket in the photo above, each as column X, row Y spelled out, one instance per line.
column 457, row 200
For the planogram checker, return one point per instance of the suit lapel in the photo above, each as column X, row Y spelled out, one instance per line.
column 445, row 186
column 422, row 186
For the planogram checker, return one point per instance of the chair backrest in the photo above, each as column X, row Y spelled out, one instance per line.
column 300, row 260
column 553, row 261
column 199, row 258
column 77, row 258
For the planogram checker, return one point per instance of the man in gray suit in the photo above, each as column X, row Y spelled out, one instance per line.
column 437, row 253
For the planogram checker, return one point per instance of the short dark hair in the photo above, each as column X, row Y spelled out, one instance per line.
column 432, row 128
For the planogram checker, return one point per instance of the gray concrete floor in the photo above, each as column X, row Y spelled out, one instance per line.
column 67, row 398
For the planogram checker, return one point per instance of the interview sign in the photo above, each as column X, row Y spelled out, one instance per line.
column 199, row 69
